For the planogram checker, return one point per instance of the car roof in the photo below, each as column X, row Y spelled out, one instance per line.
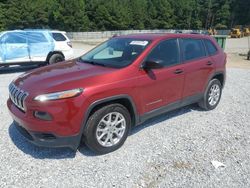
column 160, row 36
column 34, row 30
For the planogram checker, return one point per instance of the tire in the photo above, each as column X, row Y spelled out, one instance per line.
column 206, row 103
column 96, row 124
column 55, row 58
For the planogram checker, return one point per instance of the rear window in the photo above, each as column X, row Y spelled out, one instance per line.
column 36, row 37
column 192, row 49
column 59, row 37
column 211, row 49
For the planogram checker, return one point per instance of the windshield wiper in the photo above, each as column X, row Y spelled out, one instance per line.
column 91, row 62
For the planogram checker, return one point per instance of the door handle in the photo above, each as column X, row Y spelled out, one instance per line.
column 178, row 71
column 209, row 63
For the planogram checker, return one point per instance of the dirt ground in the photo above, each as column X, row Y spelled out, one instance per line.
column 237, row 61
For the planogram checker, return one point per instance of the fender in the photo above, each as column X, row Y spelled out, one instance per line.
column 101, row 101
column 213, row 75
column 52, row 53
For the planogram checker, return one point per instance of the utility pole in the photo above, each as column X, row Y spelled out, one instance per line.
column 208, row 15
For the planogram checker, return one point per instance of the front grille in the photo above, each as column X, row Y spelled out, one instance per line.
column 17, row 96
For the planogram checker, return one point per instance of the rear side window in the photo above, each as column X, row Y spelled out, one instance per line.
column 211, row 49
column 192, row 49
column 36, row 37
column 59, row 37
column 167, row 52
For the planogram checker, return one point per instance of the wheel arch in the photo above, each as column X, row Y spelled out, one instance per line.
column 52, row 53
column 124, row 100
column 219, row 76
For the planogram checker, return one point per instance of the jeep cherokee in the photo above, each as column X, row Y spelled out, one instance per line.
column 126, row 80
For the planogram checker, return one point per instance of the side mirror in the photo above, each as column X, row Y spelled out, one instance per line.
column 152, row 64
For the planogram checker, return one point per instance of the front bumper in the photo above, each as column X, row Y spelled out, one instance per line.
column 63, row 131
column 48, row 140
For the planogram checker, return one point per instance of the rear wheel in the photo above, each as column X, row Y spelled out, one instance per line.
column 212, row 95
column 55, row 58
column 107, row 128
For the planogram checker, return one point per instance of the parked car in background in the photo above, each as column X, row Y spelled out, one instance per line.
column 121, row 83
column 25, row 47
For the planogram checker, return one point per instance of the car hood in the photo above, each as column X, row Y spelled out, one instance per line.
column 62, row 76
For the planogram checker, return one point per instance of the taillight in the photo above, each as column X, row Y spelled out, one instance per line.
column 69, row 44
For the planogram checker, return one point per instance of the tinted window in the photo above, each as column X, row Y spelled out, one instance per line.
column 58, row 37
column 192, row 49
column 211, row 49
column 167, row 52
column 36, row 37
column 12, row 38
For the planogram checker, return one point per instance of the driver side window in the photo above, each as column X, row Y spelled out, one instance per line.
column 167, row 52
column 15, row 38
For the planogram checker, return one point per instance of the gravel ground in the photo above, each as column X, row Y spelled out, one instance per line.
column 172, row 150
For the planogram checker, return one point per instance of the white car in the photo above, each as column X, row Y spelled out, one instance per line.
column 34, row 46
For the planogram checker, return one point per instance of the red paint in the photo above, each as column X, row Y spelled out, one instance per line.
column 148, row 90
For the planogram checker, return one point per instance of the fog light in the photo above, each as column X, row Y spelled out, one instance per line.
column 43, row 116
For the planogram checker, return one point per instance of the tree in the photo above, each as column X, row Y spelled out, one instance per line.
column 223, row 16
column 138, row 13
column 94, row 15
column 69, row 15
column 164, row 14
column 2, row 17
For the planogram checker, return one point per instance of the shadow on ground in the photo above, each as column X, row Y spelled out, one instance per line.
column 63, row 153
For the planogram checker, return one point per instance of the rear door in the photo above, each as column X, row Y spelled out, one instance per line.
column 160, row 87
column 40, row 44
column 14, row 47
column 198, row 66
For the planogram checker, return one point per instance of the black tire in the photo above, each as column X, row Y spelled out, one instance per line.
column 204, row 103
column 56, row 58
column 90, row 137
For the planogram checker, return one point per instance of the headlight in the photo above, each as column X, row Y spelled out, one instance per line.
column 59, row 95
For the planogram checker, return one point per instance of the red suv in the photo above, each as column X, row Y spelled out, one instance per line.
column 121, row 83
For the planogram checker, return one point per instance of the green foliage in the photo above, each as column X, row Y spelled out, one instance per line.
column 2, row 17
column 94, row 15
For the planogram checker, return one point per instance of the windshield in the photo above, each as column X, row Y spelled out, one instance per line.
column 116, row 52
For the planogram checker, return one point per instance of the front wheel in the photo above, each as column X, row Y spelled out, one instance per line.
column 212, row 95
column 107, row 129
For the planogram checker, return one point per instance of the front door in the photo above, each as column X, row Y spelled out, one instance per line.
column 15, row 48
column 161, row 87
